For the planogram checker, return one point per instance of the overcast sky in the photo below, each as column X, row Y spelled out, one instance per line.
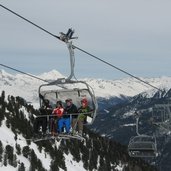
column 134, row 35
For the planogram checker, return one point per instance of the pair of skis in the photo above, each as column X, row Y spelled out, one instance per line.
column 58, row 137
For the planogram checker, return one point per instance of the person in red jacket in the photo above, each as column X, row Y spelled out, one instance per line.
column 58, row 114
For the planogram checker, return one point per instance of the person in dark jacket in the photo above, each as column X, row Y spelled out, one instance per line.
column 69, row 109
column 41, row 121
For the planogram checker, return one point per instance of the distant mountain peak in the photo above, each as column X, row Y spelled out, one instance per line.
column 3, row 73
column 51, row 75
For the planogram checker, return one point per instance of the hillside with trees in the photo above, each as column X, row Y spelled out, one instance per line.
column 19, row 152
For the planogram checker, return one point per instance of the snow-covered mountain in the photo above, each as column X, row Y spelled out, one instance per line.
column 27, row 87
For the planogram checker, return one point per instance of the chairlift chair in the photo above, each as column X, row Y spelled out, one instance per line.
column 142, row 145
column 162, row 117
column 63, row 89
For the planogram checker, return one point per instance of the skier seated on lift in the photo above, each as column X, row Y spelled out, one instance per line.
column 41, row 121
column 69, row 109
column 81, row 117
column 55, row 125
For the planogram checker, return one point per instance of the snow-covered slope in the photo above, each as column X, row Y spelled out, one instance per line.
column 127, row 86
column 27, row 87
column 8, row 139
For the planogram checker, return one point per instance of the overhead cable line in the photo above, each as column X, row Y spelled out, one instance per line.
column 109, row 64
column 113, row 66
column 23, row 73
column 28, row 21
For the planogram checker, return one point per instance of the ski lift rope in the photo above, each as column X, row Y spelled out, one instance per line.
column 30, row 75
column 109, row 64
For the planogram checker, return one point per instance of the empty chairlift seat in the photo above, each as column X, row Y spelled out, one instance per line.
column 142, row 146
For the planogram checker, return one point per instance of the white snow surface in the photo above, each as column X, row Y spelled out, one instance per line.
column 7, row 138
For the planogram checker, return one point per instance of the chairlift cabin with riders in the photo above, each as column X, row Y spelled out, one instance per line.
column 64, row 88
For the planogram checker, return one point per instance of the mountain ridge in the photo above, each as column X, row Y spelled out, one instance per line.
column 27, row 87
